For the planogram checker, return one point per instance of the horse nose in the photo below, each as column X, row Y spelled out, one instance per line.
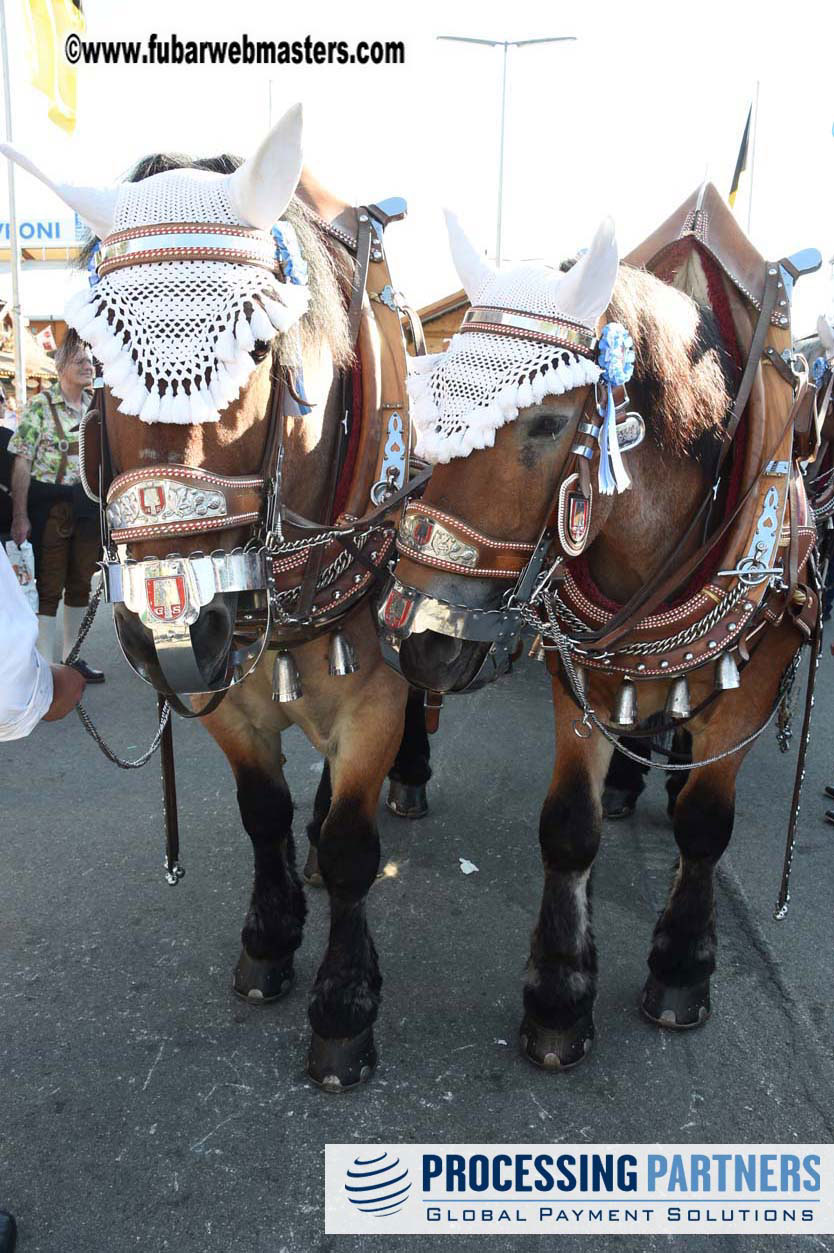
column 439, row 662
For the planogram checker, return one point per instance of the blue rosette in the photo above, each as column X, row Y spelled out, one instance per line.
column 615, row 356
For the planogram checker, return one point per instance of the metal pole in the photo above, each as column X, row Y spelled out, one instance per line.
column 14, row 248
column 753, row 161
column 501, row 157
column 506, row 44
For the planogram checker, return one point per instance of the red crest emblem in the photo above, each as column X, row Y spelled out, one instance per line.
column 396, row 611
column 152, row 499
column 422, row 532
column 166, row 596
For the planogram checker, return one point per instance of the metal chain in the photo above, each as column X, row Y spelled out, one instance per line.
column 86, row 720
column 646, row 648
column 323, row 537
column 589, row 717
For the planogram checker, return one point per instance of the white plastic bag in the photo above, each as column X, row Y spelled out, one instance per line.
column 22, row 561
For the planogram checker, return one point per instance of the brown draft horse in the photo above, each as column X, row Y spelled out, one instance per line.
column 356, row 720
column 683, row 386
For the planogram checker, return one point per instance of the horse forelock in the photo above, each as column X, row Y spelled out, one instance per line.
column 682, row 367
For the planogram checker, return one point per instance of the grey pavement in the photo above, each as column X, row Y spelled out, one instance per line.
column 143, row 1106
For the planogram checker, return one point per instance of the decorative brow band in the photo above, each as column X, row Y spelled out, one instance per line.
column 186, row 241
column 561, row 331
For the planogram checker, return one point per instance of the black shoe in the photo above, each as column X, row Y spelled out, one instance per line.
column 8, row 1232
column 618, row 803
column 91, row 676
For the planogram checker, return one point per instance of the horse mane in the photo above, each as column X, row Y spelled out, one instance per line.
column 326, row 318
column 682, row 367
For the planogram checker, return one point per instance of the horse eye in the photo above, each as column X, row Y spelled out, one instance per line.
column 259, row 352
column 548, row 424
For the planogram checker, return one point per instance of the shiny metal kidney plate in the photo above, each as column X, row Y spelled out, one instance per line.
column 168, row 594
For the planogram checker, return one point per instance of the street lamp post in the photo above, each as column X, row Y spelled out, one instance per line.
column 506, row 44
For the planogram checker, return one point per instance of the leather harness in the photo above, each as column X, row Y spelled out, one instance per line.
column 766, row 538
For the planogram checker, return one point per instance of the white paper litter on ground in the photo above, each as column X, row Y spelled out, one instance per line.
column 467, row 867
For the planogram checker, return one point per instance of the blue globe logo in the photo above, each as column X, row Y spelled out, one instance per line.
column 378, row 1185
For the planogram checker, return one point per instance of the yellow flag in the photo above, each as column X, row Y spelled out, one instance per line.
column 48, row 22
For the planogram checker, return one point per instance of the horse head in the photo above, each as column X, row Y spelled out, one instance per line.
column 499, row 415
column 196, row 315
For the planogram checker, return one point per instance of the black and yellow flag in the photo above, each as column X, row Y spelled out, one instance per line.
column 741, row 162
column 48, row 22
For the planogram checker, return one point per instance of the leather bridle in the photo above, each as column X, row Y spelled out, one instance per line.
column 177, row 501
column 437, row 540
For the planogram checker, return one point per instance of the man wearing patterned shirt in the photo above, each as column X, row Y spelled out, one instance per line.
column 49, row 503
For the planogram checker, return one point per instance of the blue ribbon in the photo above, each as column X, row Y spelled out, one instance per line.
column 616, row 360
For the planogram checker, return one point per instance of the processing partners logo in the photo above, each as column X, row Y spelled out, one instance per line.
column 581, row 1189
column 378, row 1184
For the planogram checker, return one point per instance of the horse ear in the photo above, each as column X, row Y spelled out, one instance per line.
column 584, row 293
column 826, row 334
column 96, row 205
column 473, row 269
column 263, row 186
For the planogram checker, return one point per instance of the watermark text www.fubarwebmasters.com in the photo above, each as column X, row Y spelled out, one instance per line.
column 171, row 50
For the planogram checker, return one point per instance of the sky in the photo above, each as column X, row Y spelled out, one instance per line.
column 627, row 120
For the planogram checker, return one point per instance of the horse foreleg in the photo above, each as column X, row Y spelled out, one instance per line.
column 682, row 956
column 274, row 922
column 346, row 995
column 411, row 770
column 560, row 986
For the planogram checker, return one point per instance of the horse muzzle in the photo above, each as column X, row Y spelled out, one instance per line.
column 175, row 617
column 444, row 647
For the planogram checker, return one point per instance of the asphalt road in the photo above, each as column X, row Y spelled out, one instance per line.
column 143, row 1106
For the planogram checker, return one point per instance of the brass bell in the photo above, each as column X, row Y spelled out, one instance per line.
column 726, row 673
column 677, row 701
column 286, row 684
column 342, row 658
column 624, row 714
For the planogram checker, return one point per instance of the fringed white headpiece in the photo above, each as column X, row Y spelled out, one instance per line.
column 461, row 397
column 174, row 336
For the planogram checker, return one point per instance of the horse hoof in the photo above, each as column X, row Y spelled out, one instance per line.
column 407, row 800
column 259, row 982
column 618, row 803
column 677, row 1008
column 556, row 1050
column 339, row 1065
column 311, row 872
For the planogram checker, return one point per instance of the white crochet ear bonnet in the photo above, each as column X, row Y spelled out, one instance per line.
column 174, row 338
column 193, row 269
column 461, row 397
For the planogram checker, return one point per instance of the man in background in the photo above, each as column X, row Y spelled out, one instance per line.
column 49, row 503
column 31, row 691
